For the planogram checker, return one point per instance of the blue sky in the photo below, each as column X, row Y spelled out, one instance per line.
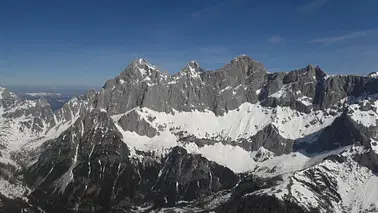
column 87, row 42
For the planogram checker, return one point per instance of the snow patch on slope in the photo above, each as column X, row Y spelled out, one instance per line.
column 10, row 190
column 159, row 144
column 365, row 118
column 282, row 92
column 307, row 101
column 243, row 122
column 233, row 157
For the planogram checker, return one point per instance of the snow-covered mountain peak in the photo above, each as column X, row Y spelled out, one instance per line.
column 244, row 59
column 143, row 67
column 193, row 64
column 192, row 69
column 243, row 66
column 241, row 56
column 312, row 66
column 142, row 61
column 373, row 74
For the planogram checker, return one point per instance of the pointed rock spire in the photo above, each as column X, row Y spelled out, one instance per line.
column 193, row 64
column 138, row 69
column 242, row 57
column 244, row 65
column 192, row 69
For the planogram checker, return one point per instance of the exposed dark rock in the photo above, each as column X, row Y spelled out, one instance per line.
column 133, row 122
column 253, row 183
column 188, row 177
column 270, row 139
column 342, row 132
column 261, row 204
column 15, row 205
column 82, row 168
column 369, row 160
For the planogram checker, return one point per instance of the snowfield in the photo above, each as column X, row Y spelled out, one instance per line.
column 243, row 122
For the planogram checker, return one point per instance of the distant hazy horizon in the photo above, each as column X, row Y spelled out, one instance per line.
column 68, row 90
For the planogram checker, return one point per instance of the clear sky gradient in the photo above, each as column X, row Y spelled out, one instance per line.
column 86, row 42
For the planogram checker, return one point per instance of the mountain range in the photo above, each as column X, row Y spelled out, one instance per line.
column 237, row 139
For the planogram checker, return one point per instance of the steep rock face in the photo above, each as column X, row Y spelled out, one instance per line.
column 235, row 83
column 189, row 177
column 242, row 80
column 344, row 131
column 139, row 84
column 78, row 106
column 142, row 84
column 133, row 122
column 369, row 160
column 80, row 166
column 295, row 89
column 270, row 139
column 334, row 88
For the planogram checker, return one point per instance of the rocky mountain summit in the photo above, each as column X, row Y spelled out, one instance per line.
column 237, row 139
